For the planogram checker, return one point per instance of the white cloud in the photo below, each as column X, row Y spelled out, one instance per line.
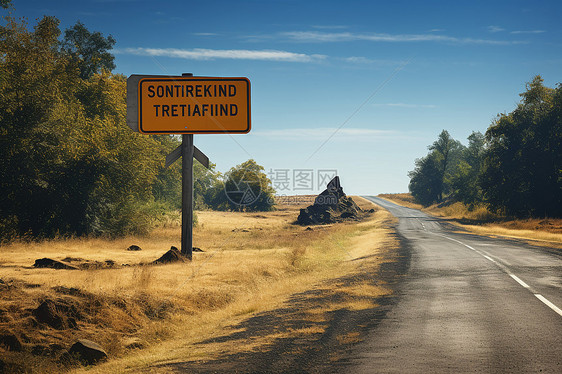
column 205, row 34
column 527, row 32
column 404, row 105
column 233, row 54
column 495, row 29
column 317, row 36
column 436, row 30
column 371, row 61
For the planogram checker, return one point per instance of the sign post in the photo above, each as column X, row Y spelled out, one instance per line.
column 188, row 105
column 187, row 195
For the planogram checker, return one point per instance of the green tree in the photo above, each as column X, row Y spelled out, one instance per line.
column 431, row 178
column 126, row 163
column 522, row 168
column 426, row 179
column 89, row 50
column 447, row 151
column 69, row 163
column 245, row 187
column 465, row 177
column 36, row 92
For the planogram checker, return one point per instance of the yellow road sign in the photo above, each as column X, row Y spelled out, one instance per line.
column 190, row 105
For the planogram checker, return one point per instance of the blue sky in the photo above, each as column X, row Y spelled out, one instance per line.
column 361, row 87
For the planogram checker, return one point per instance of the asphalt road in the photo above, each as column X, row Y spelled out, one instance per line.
column 467, row 304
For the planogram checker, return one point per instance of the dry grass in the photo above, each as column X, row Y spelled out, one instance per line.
column 252, row 262
column 541, row 231
column 404, row 199
column 460, row 211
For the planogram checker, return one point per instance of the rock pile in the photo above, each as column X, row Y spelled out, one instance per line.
column 173, row 255
column 331, row 206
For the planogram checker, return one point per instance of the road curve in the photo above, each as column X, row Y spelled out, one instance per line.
column 468, row 304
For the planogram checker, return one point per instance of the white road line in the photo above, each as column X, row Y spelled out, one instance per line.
column 519, row 281
column 506, row 270
column 491, row 259
column 548, row 303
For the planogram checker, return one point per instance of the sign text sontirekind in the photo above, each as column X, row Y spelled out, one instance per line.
column 194, row 105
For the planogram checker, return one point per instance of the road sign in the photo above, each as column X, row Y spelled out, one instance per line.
column 188, row 105
column 176, row 154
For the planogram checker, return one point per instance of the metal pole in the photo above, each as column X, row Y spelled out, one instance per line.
column 187, row 195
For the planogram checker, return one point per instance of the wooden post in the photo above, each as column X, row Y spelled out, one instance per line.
column 187, row 196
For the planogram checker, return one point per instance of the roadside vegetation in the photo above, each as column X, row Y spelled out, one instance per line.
column 142, row 313
column 70, row 165
column 506, row 182
column 513, row 171
column 479, row 220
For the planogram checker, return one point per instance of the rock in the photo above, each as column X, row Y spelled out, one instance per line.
column 58, row 315
column 87, row 351
column 47, row 313
column 10, row 341
column 53, row 264
column 331, row 206
column 134, row 248
column 173, row 255
column 309, row 229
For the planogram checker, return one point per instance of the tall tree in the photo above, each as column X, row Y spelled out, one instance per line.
column 69, row 163
column 464, row 178
column 36, row 90
column 446, row 150
column 426, row 179
column 245, row 187
column 89, row 50
column 522, row 171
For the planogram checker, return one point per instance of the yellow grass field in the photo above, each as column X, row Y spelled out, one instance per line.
column 539, row 231
column 142, row 314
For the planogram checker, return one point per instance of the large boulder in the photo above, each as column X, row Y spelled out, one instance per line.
column 331, row 206
column 87, row 351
